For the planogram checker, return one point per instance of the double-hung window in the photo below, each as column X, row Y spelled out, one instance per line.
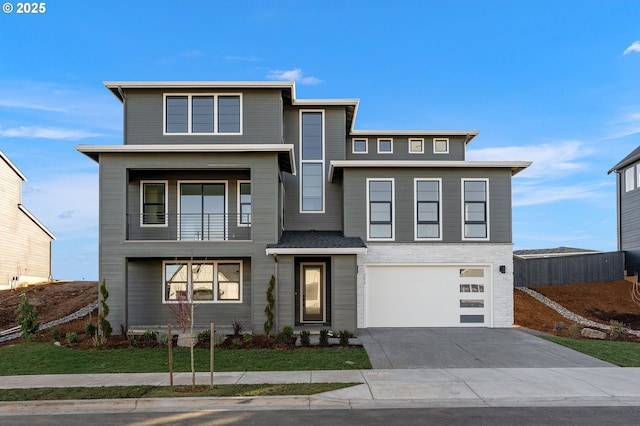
column 427, row 209
column 380, row 209
column 475, row 208
column 202, row 114
column 153, row 203
column 312, row 161
column 202, row 281
column 244, row 203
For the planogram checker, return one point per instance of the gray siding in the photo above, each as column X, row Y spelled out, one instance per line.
column 261, row 112
column 355, row 200
column 344, row 302
column 401, row 149
column 330, row 220
column 568, row 269
column 629, row 225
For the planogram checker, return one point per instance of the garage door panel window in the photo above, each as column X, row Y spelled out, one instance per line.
column 471, row 303
column 471, row 288
column 380, row 212
column 475, row 200
column 471, row 319
column 427, row 215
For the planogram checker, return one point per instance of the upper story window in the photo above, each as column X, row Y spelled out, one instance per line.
column 428, row 209
column 244, row 203
column 360, row 146
column 475, row 209
column 153, row 203
column 202, row 114
column 380, row 211
column 312, row 161
column 385, row 146
column 416, row 146
column 440, row 145
column 629, row 179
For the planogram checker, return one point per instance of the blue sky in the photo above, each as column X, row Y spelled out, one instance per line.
column 553, row 82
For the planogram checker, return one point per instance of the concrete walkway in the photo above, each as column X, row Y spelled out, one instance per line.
column 453, row 387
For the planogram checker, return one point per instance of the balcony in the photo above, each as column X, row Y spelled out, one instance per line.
column 189, row 227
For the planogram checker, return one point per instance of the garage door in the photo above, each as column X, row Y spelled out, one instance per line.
column 427, row 296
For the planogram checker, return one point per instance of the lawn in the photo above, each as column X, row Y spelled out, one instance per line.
column 623, row 354
column 46, row 358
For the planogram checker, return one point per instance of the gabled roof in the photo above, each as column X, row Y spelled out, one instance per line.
column 13, row 166
column 316, row 242
column 629, row 159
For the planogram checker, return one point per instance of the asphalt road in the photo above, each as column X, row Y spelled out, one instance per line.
column 583, row 416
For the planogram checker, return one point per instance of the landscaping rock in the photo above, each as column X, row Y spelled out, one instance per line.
column 590, row 333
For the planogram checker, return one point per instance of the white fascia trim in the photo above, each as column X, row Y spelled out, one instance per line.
column 198, row 84
column 13, row 166
column 325, row 102
column 24, row 210
column 515, row 166
column 312, row 251
column 417, row 133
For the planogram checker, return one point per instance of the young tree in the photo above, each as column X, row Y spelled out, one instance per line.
column 271, row 303
column 27, row 318
column 103, row 322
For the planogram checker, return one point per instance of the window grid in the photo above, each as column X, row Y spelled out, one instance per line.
column 380, row 209
column 475, row 209
column 202, row 114
column 202, row 281
column 153, row 203
column 427, row 193
column 244, row 203
column 312, row 161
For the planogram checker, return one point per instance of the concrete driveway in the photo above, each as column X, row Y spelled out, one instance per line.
column 467, row 348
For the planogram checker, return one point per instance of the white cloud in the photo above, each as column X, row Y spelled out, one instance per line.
column 627, row 124
column 530, row 195
column 549, row 160
column 635, row 47
column 46, row 133
column 295, row 74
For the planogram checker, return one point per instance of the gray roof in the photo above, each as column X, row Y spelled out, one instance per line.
column 317, row 240
column 629, row 159
column 552, row 251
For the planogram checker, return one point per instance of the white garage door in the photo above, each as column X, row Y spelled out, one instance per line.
column 427, row 296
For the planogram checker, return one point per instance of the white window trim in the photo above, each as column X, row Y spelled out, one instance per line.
column 434, row 145
column 393, row 208
column 629, row 174
column 189, row 114
column 324, row 291
column 226, row 205
column 190, row 284
column 488, row 207
column 311, row 161
column 637, row 166
column 415, row 209
column 240, row 224
column 366, row 145
column 385, row 139
column 166, row 205
column 422, row 145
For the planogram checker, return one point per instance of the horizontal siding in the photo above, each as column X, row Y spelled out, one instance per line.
column 629, row 225
column 344, row 303
column 401, row 149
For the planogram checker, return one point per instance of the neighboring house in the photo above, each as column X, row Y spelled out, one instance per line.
column 25, row 243
column 219, row 186
column 628, row 209
column 552, row 252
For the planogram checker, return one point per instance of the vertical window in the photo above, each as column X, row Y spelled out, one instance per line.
column 360, row 146
column 385, row 146
column 203, row 114
column 427, row 214
column 441, row 146
column 380, row 209
column 200, row 281
column 228, row 114
column 244, row 203
column 312, row 161
column 629, row 179
column 416, row 146
column 475, row 209
column 153, row 203
column 177, row 118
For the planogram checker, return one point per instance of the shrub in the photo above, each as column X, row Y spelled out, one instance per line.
column 98, row 340
column 204, row 336
column 162, row 337
column 218, row 338
column 27, row 318
column 305, row 338
column 285, row 336
column 90, row 327
column 344, row 337
column 324, row 337
column 616, row 329
column 149, row 335
column 71, row 337
column 103, row 323
column 247, row 338
column 237, row 327
column 55, row 334
column 575, row 330
column 271, row 303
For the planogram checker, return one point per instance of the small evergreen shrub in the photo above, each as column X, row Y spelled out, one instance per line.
column 269, row 309
column 616, row 330
column 324, row 337
column 90, row 327
column 71, row 337
column 27, row 318
column 247, row 338
column 305, row 338
column 162, row 337
column 344, row 337
column 55, row 334
column 204, row 336
column 285, row 336
column 103, row 323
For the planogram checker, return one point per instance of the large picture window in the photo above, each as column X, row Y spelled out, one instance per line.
column 203, row 114
column 427, row 214
column 380, row 209
column 153, row 203
column 200, row 281
column 312, row 161
column 476, row 223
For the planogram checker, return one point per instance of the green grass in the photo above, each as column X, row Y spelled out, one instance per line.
column 623, row 354
column 46, row 358
column 111, row 392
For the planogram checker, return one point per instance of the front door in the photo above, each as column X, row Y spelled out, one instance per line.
column 312, row 283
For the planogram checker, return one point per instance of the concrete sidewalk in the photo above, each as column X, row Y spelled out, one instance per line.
column 454, row 387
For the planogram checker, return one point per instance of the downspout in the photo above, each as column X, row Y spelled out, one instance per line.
column 277, row 325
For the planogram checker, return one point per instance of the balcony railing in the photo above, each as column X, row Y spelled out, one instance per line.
column 189, row 227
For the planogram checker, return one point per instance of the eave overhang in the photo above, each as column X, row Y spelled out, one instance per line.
column 468, row 134
column 316, row 251
column 337, row 166
column 285, row 152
